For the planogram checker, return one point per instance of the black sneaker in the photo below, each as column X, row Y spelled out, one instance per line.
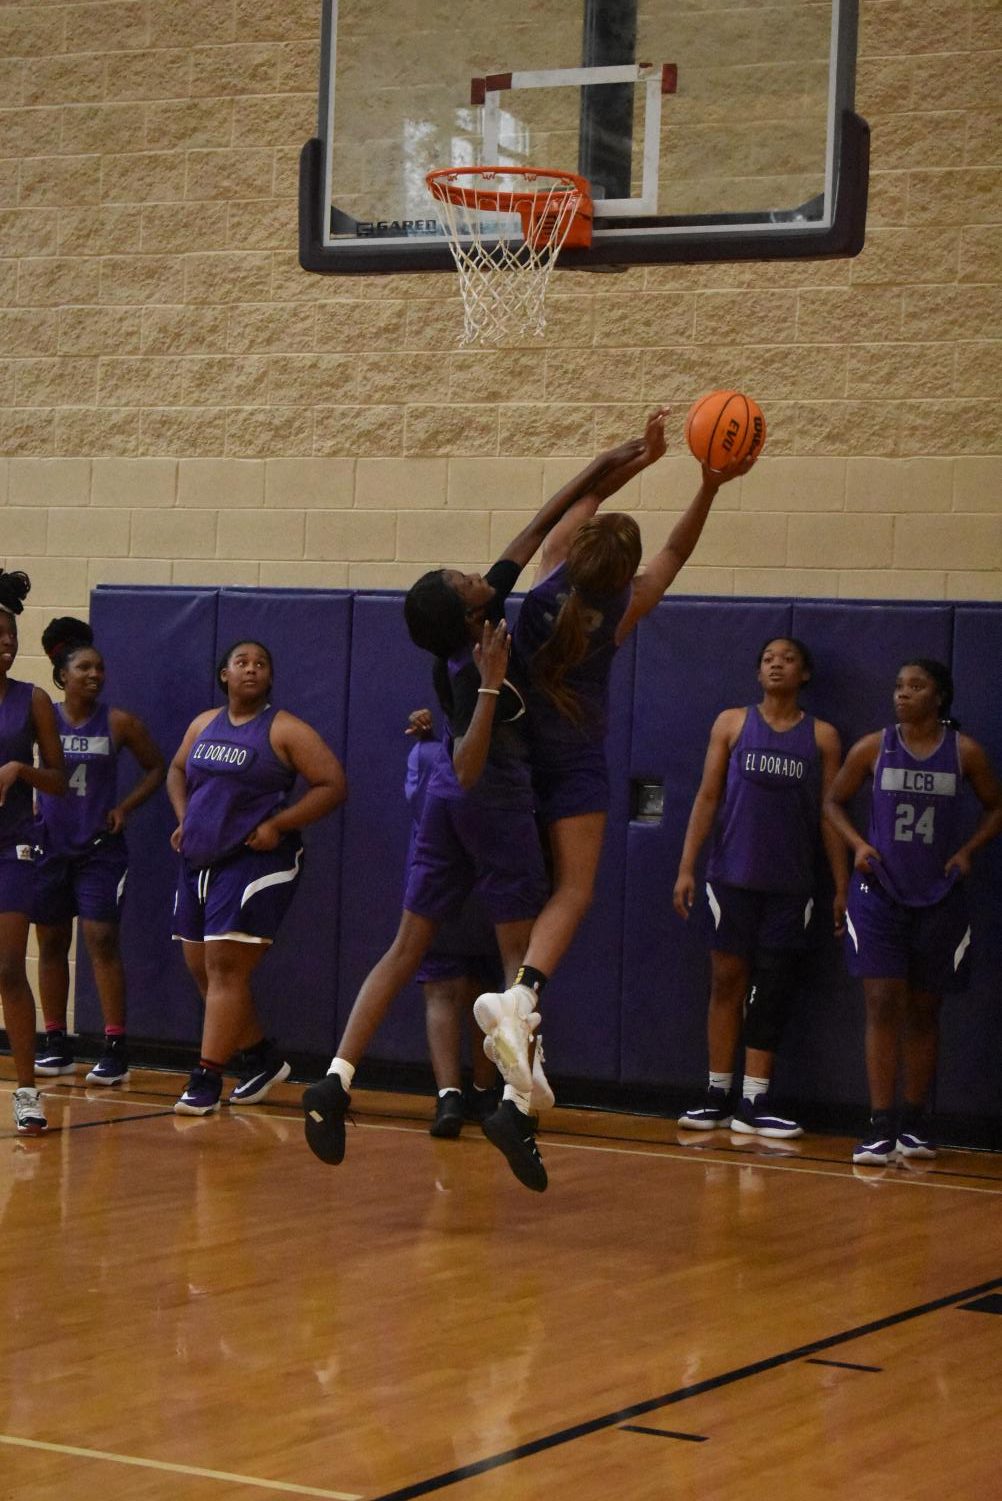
column 514, row 1134
column 448, row 1120
column 113, row 1065
column 325, row 1105
column 478, row 1104
column 260, row 1069
column 716, row 1111
column 54, row 1056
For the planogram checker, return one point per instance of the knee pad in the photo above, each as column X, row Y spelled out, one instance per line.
column 770, row 999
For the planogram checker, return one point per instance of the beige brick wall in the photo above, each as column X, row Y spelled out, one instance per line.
column 180, row 402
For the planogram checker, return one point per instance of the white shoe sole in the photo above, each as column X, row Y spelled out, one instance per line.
column 259, row 1094
column 778, row 1133
column 182, row 1109
column 686, row 1123
column 93, row 1078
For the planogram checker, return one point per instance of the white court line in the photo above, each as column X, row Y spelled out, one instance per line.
column 656, row 1149
column 155, row 1464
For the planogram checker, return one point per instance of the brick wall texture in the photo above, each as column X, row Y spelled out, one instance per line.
column 179, row 402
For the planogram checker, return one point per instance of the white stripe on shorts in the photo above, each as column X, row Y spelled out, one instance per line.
column 851, row 932
column 277, row 878
column 961, row 950
column 714, row 904
column 808, row 910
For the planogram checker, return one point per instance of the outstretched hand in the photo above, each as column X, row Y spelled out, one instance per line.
column 718, row 477
column 420, row 724
column 492, row 653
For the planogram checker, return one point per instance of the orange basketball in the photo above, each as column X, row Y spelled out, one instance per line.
column 724, row 428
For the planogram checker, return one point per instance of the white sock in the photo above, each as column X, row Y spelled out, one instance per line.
column 449, row 1089
column 721, row 1081
column 521, row 1101
column 344, row 1070
column 752, row 1087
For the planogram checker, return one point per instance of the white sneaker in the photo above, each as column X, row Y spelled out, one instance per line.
column 542, row 1096
column 509, row 1020
column 29, row 1117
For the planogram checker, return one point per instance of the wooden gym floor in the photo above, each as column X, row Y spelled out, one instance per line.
column 198, row 1309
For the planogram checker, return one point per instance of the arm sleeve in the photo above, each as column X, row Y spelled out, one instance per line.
column 502, row 576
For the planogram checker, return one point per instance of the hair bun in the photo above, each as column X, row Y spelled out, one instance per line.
column 64, row 632
column 14, row 590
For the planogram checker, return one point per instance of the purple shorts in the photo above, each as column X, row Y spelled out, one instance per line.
column 464, row 946
column 243, row 898
column 927, row 946
column 740, row 921
column 485, row 969
column 579, row 784
column 462, row 846
column 90, row 885
column 18, row 873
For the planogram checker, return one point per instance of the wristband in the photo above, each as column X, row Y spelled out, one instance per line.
column 494, row 692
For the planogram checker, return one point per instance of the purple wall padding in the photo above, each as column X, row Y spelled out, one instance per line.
column 296, row 985
column 388, row 678
column 694, row 658
column 158, row 648
column 971, row 1043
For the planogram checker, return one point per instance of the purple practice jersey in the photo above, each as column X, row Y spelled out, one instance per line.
column 69, row 825
column 505, row 781
column 550, row 731
column 234, row 781
column 766, row 833
column 17, row 743
column 915, row 818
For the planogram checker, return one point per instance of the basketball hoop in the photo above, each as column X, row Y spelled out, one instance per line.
column 505, row 227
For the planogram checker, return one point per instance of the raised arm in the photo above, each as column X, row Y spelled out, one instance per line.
column 636, row 455
column 603, row 476
column 470, row 750
column 660, row 573
column 723, row 737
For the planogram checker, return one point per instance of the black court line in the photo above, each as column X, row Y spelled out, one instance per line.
column 846, row 1365
column 991, row 1304
column 682, row 1394
column 690, row 1438
column 114, row 1120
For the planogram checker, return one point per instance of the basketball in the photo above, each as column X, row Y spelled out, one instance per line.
column 724, row 428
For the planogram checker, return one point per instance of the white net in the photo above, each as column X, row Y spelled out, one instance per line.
column 505, row 232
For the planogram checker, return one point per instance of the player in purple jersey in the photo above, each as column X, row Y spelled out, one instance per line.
column 230, row 784
column 27, row 722
column 907, row 929
column 766, row 769
column 453, row 972
column 82, row 867
column 589, row 598
column 478, row 827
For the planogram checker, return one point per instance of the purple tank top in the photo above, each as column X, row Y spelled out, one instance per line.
column 766, row 833
column 68, row 825
column 550, row 731
column 915, row 818
column 234, row 782
column 17, row 743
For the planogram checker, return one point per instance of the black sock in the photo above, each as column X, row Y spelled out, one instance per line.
column 534, row 978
